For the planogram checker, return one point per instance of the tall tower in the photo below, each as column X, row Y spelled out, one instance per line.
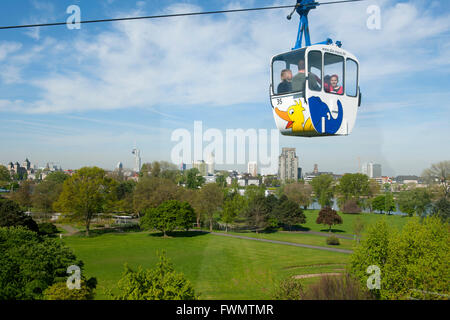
column 210, row 164
column 137, row 159
column 288, row 164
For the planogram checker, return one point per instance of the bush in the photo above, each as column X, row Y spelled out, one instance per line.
column 12, row 216
column 47, row 228
column 343, row 287
column 333, row 240
column 161, row 283
column 289, row 289
column 60, row 291
column 351, row 206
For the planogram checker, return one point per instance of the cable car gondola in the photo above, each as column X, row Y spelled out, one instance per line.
column 314, row 89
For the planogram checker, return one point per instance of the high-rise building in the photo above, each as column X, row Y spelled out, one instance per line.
column 288, row 165
column 201, row 166
column 316, row 168
column 372, row 170
column 252, row 168
column 210, row 164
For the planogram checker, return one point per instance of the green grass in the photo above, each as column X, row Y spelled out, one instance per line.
column 302, row 238
column 219, row 267
column 346, row 228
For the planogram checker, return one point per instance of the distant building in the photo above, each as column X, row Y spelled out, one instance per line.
column 288, row 164
column 308, row 176
column 210, row 179
column 372, row 170
column 210, row 163
column 252, row 168
column 183, row 166
column 201, row 166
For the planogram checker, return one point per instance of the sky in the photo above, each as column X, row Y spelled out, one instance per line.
column 86, row 97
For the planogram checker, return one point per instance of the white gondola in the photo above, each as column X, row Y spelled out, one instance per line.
column 314, row 90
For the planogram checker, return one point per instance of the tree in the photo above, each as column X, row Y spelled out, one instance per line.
column 23, row 195
column 211, row 199
column 323, row 189
column 29, row 263
column 150, row 192
column 328, row 217
column 389, row 203
column 163, row 218
column 358, row 227
column 413, row 262
column 353, row 186
column 439, row 173
column 289, row 212
column 12, row 216
column 299, row 192
column 441, row 209
column 416, row 201
column 160, row 283
column 185, row 215
column 47, row 192
column 84, row 194
column 232, row 207
column 221, row 181
column 379, row 203
column 193, row 179
column 5, row 177
column 259, row 210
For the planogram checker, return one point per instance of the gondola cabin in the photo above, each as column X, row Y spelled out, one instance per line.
column 314, row 91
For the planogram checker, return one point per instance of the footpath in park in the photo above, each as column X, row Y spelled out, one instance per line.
column 283, row 242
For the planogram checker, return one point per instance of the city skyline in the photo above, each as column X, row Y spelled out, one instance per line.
column 83, row 97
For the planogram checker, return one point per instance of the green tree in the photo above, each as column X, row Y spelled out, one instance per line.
column 12, row 216
column 232, row 207
column 23, row 195
column 221, row 181
column 358, row 227
column 413, row 262
column 323, row 189
column 328, row 217
column 185, row 215
column 46, row 193
column 389, row 203
column 299, row 192
column 289, row 212
column 379, row 203
column 160, row 283
column 259, row 210
column 29, row 264
column 5, row 177
column 193, row 179
column 211, row 198
column 353, row 186
column 84, row 194
column 163, row 218
column 416, row 201
column 441, row 209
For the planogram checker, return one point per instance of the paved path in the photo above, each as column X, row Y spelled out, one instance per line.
column 284, row 242
column 70, row 230
column 312, row 275
column 324, row 234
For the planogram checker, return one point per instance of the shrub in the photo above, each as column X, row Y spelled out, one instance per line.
column 12, row 216
column 60, row 291
column 351, row 206
column 343, row 287
column 333, row 240
column 289, row 289
column 161, row 283
column 47, row 228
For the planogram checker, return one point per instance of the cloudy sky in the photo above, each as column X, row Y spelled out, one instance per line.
column 85, row 97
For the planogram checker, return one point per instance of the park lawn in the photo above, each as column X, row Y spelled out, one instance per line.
column 346, row 228
column 311, row 239
column 218, row 267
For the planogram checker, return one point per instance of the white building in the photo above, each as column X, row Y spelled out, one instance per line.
column 372, row 170
column 252, row 168
column 288, row 165
column 210, row 162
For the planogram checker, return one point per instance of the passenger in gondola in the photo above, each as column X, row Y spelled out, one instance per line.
column 298, row 82
column 285, row 85
column 334, row 87
column 326, row 83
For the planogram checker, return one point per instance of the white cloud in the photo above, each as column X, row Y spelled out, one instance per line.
column 221, row 60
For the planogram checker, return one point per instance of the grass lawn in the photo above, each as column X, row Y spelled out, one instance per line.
column 219, row 267
column 303, row 238
column 346, row 228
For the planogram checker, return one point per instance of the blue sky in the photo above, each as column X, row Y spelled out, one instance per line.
column 84, row 97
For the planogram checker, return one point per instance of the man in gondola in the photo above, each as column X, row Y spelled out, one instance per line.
column 285, row 85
